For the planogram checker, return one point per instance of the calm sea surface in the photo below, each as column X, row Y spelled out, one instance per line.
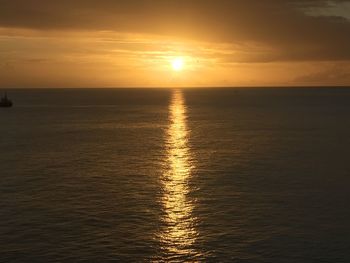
column 161, row 175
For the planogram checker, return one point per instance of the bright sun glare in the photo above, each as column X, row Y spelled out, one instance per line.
column 177, row 64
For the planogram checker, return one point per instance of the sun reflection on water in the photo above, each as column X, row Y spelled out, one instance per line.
column 179, row 234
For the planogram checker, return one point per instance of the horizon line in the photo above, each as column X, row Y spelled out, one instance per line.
column 190, row 87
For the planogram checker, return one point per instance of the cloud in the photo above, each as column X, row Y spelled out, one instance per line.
column 338, row 74
column 284, row 28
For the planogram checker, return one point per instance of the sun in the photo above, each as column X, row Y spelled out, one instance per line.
column 177, row 64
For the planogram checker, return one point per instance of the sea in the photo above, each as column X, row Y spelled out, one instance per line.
column 175, row 175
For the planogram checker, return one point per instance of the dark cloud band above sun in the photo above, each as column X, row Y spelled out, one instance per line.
column 283, row 27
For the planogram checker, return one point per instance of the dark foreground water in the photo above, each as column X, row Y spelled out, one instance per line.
column 209, row 175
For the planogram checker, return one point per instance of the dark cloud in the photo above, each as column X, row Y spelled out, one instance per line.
column 283, row 26
column 333, row 75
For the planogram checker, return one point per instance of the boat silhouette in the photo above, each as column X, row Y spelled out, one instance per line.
column 5, row 102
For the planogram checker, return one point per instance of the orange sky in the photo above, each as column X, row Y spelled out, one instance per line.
column 131, row 43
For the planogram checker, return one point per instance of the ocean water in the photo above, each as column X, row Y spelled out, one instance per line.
column 162, row 175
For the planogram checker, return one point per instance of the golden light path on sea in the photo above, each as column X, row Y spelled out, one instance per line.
column 180, row 234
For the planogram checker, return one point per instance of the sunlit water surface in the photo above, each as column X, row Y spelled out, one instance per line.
column 179, row 234
column 161, row 175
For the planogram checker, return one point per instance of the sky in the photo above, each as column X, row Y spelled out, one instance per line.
column 132, row 43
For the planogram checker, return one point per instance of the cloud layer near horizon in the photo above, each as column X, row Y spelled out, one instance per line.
column 252, row 31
